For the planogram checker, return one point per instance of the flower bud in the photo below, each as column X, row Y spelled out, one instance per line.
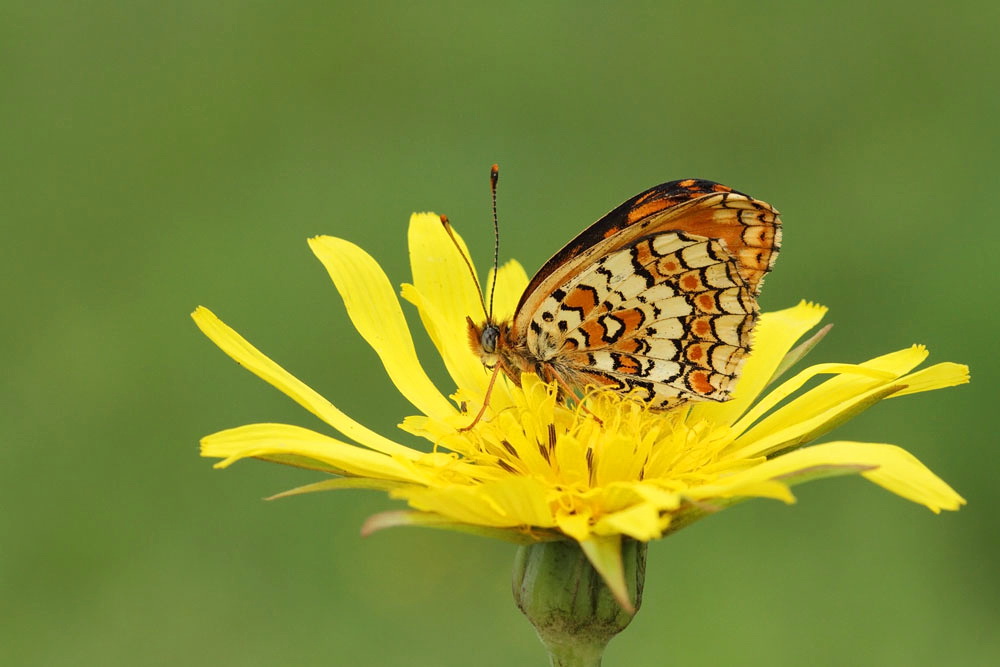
column 574, row 612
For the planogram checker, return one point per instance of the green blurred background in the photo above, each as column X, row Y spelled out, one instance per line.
column 157, row 156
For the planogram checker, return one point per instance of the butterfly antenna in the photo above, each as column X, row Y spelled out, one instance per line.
column 494, row 177
column 472, row 272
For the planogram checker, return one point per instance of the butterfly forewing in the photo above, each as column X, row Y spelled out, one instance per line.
column 657, row 298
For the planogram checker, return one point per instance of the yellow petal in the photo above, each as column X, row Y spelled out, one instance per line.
column 338, row 483
column 574, row 524
column 605, row 554
column 466, row 370
column 828, row 401
column 889, row 466
column 640, row 522
column 445, row 292
column 793, row 434
column 799, row 352
column 743, row 486
column 788, row 387
column 775, row 334
column 393, row 519
column 510, row 502
column 373, row 308
column 903, row 474
column 511, row 281
column 263, row 367
column 446, row 437
column 937, row 376
column 257, row 440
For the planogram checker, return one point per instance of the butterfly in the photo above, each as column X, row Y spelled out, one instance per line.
column 657, row 299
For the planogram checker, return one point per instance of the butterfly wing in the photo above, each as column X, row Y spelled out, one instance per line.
column 668, row 317
column 659, row 296
column 749, row 227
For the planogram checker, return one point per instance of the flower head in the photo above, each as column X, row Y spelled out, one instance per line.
column 535, row 468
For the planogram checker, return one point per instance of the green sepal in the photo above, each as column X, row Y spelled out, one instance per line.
column 568, row 600
column 796, row 355
column 341, row 483
column 396, row 518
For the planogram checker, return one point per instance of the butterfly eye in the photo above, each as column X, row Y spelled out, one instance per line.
column 489, row 338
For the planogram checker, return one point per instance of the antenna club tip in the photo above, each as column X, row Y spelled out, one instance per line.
column 445, row 221
column 494, row 171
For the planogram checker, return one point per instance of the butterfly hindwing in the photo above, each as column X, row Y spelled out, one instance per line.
column 668, row 317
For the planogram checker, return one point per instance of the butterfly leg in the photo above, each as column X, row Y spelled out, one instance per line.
column 486, row 400
column 549, row 374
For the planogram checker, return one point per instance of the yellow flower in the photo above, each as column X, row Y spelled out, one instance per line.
column 536, row 469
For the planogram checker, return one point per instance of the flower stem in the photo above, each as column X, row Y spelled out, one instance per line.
column 570, row 655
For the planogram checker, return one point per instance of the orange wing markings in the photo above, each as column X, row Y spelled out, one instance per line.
column 731, row 328
column 695, row 353
column 641, row 215
column 750, row 230
column 699, row 381
column 582, row 298
column 645, row 210
column 593, row 334
column 680, row 338
column 701, row 327
column 630, row 346
column 668, row 195
column 706, row 302
column 632, row 319
column 628, row 364
column 657, row 298
column 691, row 283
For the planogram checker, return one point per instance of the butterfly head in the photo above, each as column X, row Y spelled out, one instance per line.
column 489, row 338
column 486, row 340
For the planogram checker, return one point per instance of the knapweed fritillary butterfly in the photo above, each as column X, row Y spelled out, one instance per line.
column 657, row 299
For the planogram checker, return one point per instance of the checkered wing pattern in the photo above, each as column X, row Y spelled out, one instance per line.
column 657, row 299
column 667, row 319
